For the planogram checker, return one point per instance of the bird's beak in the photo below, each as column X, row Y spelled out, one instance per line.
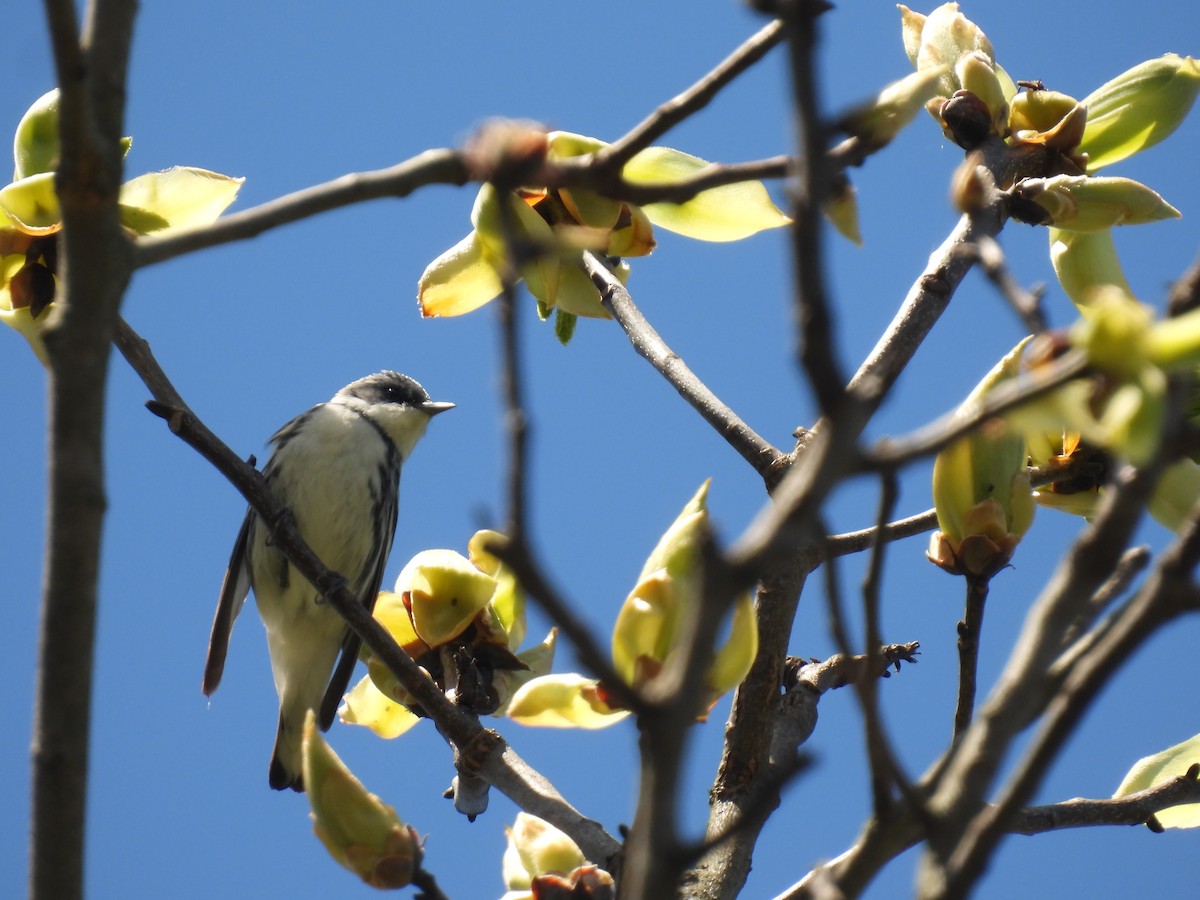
column 432, row 407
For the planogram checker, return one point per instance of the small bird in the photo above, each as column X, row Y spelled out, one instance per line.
column 336, row 468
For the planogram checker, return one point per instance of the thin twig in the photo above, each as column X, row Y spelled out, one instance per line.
column 811, row 185
column 1003, row 398
column 427, row 886
column 1133, row 809
column 430, row 167
column 695, row 98
column 885, row 769
column 970, row 630
column 857, row 541
column 570, row 173
column 518, row 556
column 1027, row 304
column 650, row 346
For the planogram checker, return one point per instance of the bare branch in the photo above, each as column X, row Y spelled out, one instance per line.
column 1027, row 304
column 1134, row 809
column 646, row 341
column 1003, row 398
column 857, row 541
column 811, row 186
column 430, row 167
column 695, row 98
column 94, row 267
column 969, row 631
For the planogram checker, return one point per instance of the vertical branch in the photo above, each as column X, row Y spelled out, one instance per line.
column 810, row 187
column 969, row 630
column 883, row 765
column 515, row 421
column 95, row 260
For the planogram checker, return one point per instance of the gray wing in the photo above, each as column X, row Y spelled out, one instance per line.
column 234, row 589
column 386, row 511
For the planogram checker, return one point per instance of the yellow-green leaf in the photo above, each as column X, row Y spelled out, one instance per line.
column 460, row 280
column 183, row 197
column 562, row 701
column 727, row 213
column 366, row 705
column 32, row 204
column 1086, row 264
column 1138, row 108
column 735, row 658
column 1151, row 771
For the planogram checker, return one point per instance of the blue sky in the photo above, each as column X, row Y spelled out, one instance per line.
column 256, row 332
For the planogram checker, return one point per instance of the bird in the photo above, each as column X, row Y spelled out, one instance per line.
column 336, row 469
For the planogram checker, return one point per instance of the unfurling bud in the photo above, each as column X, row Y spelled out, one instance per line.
column 981, row 489
column 1138, row 108
column 535, row 847
column 1085, row 203
column 358, row 829
column 1049, row 118
column 878, row 122
column 647, row 635
column 542, row 863
column 35, row 146
column 647, row 629
column 841, row 209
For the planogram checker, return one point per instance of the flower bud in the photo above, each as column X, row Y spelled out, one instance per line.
column 1085, row 203
column 878, row 122
column 946, row 36
column 1138, row 108
column 981, row 489
column 358, row 829
column 35, row 146
column 1087, row 265
column 977, row 74
column 444, row 593
column 1048, row 117
column 535, row 847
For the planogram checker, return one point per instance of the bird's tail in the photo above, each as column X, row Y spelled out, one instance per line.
column 286, row 769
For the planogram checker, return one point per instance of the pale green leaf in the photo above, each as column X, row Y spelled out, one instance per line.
column 183, row 197
column 1151, row 771
column 727, row 213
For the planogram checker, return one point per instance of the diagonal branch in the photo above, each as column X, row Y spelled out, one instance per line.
column 486, row 750
column 677, row 109
column 646, row 341
column 430, row 167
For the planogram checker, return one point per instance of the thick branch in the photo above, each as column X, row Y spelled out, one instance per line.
column 94, row 267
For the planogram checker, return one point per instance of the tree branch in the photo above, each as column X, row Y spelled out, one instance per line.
column 94, row 266
column 678, row 108
column 811, row 186
column 761, row 455
column 430, row 167
column 1135, row 809
column 485, row 751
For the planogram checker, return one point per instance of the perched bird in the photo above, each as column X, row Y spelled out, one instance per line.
column 336, row 468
